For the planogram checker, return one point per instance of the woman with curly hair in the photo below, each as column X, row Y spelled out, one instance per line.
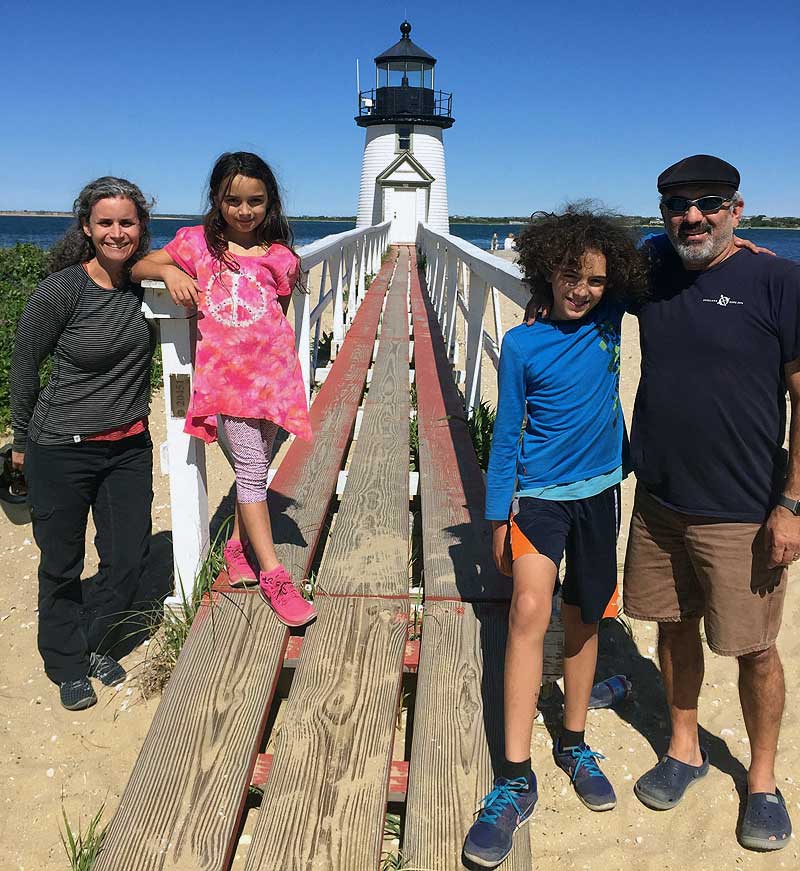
column 554, row 492
column 83, row 438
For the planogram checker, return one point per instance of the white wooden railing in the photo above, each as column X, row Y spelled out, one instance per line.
column 348, row 260
column 461, row 279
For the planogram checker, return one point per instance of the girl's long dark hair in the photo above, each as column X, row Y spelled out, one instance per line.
column 75, row 246
column 274, row 228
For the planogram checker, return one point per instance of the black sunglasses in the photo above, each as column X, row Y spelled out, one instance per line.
column 707, row 205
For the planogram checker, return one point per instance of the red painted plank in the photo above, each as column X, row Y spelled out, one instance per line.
column 398, row 776
column 456, row 550
column 347, row 377
column 410, row 655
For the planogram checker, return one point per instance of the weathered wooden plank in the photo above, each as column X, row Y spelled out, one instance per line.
column 324, row 803
column 458, row 731
column 368, row 550
column 182, row 804
column 305, row 482
column 456, row 539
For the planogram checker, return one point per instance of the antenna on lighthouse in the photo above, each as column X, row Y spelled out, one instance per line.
column 358, row 82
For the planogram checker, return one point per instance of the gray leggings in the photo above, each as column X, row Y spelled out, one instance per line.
column 251, row 441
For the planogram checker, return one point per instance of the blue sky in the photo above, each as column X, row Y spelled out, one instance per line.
column 552, row 100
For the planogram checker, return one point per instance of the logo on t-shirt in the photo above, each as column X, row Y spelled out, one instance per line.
column 724, row 300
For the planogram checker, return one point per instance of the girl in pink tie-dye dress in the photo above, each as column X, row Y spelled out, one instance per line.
column 239, row 269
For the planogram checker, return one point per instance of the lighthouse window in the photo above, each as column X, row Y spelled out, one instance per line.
column 428, row 72
column 404, row 139
column 396, row 73
column 414, row 75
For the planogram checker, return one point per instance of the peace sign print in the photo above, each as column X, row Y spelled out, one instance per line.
column 243, row 304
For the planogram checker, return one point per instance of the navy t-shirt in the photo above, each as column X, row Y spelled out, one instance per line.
column 710, row 414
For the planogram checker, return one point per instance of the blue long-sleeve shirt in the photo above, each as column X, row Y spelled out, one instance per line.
column 562, row 379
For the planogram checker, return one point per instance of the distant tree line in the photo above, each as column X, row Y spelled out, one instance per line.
column 632, row 220
column 764, row 221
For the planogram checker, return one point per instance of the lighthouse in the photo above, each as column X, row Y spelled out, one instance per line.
column 402, row 171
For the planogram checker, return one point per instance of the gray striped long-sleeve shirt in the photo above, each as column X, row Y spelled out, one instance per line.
column 102, row 349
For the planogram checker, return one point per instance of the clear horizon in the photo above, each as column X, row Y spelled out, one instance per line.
column 551, row 104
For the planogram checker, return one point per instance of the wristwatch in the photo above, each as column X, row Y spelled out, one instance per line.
column 792, row 504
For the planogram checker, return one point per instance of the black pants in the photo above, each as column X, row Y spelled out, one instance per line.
column 115, row 481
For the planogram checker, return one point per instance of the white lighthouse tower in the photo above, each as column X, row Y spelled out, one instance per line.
column 402, row 172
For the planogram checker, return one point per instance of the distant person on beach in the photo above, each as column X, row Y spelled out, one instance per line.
column 554, row 493
column 239, row 269
column 83, row 439
column 715, row 521
column 494, row 242
column 508, row 242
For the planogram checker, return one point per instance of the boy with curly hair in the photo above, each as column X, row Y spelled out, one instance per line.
column 554, row 492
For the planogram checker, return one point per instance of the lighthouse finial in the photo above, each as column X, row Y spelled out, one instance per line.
column 405, row 29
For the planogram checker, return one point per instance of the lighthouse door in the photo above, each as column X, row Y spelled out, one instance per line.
column 404, row 215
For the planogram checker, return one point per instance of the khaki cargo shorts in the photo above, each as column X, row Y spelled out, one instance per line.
column 684, row 566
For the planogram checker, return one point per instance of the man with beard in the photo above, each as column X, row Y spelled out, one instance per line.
column 715, row 520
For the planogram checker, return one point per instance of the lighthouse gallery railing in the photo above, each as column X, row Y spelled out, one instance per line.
column 347, row 260
column 461, row 279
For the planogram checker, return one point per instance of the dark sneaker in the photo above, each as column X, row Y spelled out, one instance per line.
column 591, row 785
column 107, row 670
column 77, row 694
column 507, row 807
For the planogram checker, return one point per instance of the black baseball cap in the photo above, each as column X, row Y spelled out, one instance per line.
column 699, row 169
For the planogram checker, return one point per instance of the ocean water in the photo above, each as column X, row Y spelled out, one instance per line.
column 785, row 243
column 44, row 231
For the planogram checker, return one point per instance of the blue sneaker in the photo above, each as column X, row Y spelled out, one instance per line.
column 591, row 785
column 507, row 807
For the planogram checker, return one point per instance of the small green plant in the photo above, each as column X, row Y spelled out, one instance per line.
column 172, row 628
column 413, row 445
column 82, row 848
column 324, row 347
column 21, row 269
column 481, row 427
column 392, row 860
column 310, row 586
column 413, row 432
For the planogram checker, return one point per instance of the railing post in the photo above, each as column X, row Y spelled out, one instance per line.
column 451, row 311
column 439, row 280
column 318, row 325
column 498, row 321
column 338, row 302
column 362, row 270
column 478, row 297
column 352, row 302
column 183, row 455
column 302, row 336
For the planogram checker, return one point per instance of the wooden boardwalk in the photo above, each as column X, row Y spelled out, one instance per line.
column 333, row 765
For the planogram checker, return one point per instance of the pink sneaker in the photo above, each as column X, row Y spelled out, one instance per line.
column 240, row 572
column 279, row 592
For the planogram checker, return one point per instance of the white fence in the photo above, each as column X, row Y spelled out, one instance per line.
column 347, row 260
column 462, row 279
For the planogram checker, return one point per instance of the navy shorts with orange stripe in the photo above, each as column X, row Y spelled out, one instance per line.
column 583, row 530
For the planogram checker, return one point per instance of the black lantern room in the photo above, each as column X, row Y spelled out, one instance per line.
column 404, row 88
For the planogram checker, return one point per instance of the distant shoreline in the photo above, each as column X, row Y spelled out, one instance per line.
column 23, row 214
column 343, row 220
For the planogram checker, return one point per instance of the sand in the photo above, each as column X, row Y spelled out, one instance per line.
column 52, row 759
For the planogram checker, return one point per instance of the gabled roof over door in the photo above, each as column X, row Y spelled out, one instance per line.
column 405, row 169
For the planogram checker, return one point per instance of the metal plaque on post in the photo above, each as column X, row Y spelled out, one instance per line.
column 180, row 388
